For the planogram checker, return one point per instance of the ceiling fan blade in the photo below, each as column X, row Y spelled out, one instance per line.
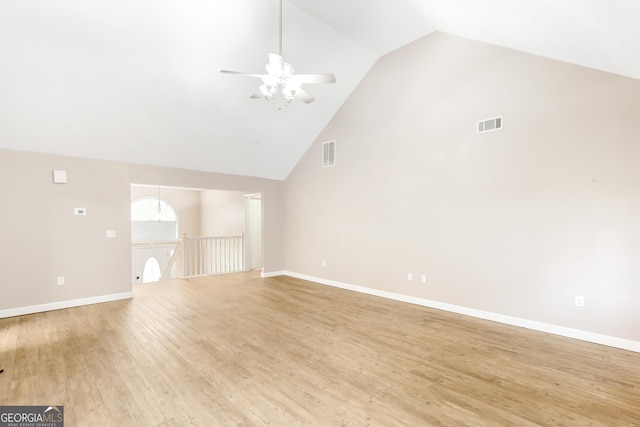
column 276, row 64
column 314, row 78
column 240, row 73
column 304, row 96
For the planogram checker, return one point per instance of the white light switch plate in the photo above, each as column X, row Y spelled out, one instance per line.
column 60, row 177
column 111, row 233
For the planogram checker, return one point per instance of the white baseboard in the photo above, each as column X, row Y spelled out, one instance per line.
column 272, row 274
column 607, row 340
column 21, row 311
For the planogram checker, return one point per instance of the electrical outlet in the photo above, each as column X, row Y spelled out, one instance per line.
column 111, row 234
column 579, row 301
column 423, row 278
column 60, row 280
column 409, row 276
column 324, row 263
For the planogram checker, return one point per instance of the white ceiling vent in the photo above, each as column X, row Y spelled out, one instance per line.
column 489, row 125
column 328, row 154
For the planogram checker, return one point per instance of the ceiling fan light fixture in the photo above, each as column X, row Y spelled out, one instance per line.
column 280, row 77
column 273, row 69
column 288, row 95
column 269, row 91
column 269, row 80
column 289, row 89
column 288, row 70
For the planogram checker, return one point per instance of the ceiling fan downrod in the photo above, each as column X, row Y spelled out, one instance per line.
column 280, row 32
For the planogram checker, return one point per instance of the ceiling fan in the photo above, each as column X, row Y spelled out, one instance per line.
column 280, row 77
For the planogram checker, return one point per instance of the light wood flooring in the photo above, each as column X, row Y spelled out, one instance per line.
column 240, row 350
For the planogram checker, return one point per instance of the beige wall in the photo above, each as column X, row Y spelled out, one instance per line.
column 222, row 213
column 516, row 222
column 41, row 238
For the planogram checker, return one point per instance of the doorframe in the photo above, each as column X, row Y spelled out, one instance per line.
column 247, row 239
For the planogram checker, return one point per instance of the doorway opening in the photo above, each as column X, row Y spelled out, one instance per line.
column 151, row 272
column 192, row 232
column 154, row 233
column 253, row 231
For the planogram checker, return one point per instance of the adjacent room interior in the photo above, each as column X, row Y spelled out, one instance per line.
column 434, row 218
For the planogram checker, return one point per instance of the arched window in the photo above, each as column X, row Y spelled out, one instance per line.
column 152, row 209
column 153, row 220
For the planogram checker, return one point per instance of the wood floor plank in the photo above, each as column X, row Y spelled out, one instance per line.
column 244, row 351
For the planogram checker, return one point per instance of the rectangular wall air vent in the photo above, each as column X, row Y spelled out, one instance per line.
column 489, row 125
column 328, row 154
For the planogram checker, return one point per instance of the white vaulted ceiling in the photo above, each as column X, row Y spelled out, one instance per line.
column 139, row 81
